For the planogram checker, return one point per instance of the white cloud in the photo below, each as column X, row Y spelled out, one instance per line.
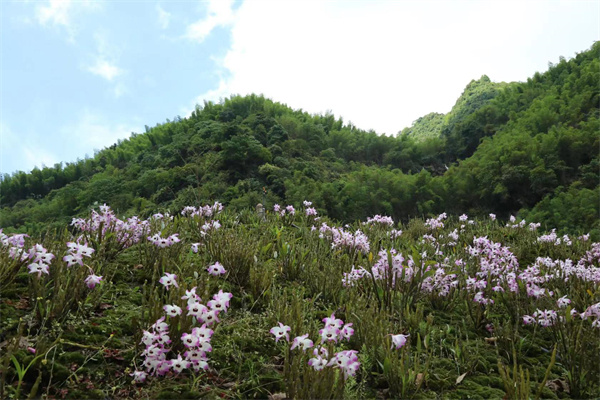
column 105, row 69
column 55, row 12
column 104, row 64
column 63, row 13
column 382, row 64
column 164, row 17
column 219, row 13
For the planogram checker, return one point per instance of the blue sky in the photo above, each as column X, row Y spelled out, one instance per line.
column 76, row 76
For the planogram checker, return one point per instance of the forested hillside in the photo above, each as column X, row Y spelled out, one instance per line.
column 530, row 148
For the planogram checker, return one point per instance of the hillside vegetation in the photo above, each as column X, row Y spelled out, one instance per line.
column 210, row 304
column 523, row 148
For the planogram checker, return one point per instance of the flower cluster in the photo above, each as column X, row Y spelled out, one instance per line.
column 290, row 210
column 394, row 233
column 552, row 237
column 382, row 270
column 204, row 211
column 381, row 220
column 127, row 232
column 76, row 252
column 196, row 343
column 15, row 243
column 436, row 223
column 334, row 330
column 497, row 270
column 441, row 282
column 514, row 224
column 308, row 209
column 343, row 239
column 543, row 318
column 209, row 226
column 41, row 260
column 161, row 242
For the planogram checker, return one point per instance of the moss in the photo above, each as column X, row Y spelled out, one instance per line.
column 179, row 393
column 470, row 389
column 60, row 373
column 72, row 357
column 482, row 380
column 86, row 394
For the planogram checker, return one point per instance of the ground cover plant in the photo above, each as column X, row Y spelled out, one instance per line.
column 210, row 303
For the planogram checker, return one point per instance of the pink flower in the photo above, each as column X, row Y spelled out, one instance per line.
column 527, row 320
column 196, row 309
column 318, row 363
column 168, row 280
column 138, row 376
column 179, row 364
column 172, row 310
column 44, row 257
column 195, row 247
column 174, row 238
column 160, row 325
column 216, row 269
column 73, row 259
column 303, row 342
column 31, row 350
column 92, row 280
column 399, row 340
column 223, row 296
column 189, row 340
column 163, row 339
column 347, row 331
column 332, row 321
column 194, row 355
column 320, row 360
column 149, row 338
column 329, row 333
column 220, row 304
column 38, row 268
column 197, row 365
column 209, row 317
column 191, row 296
column 563, row 302
column 281, row 331
column 203, row 333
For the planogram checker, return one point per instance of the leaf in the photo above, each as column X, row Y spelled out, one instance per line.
column 460, row 378
column 17, row 365
column 387, row 365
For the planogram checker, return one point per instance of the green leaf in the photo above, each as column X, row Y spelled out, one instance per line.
column 387, row 365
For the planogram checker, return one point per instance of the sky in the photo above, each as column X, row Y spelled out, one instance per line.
column 76, row 76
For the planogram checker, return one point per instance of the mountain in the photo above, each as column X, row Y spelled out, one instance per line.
column 524, row 147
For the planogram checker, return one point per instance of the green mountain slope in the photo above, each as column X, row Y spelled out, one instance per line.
column 530, row 147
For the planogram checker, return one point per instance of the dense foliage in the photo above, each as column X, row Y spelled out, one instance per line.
column 530, row 148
